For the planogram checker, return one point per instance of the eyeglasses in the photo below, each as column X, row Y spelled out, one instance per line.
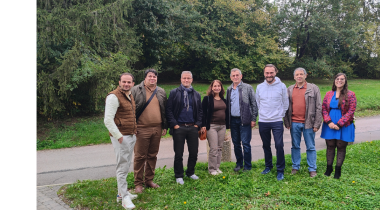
column 341, row 79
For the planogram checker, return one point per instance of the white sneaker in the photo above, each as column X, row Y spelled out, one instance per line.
column 119, row 198
column 179, row 181
column 219, row 171
column 195, row 177
column 214, row 173
column 127, row 203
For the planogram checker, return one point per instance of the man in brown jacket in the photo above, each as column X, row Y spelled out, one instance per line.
column 151, row 125
column 303, row 116
column 119, row 118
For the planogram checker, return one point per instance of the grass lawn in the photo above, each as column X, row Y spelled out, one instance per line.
column 358, row 187
column 91, row 130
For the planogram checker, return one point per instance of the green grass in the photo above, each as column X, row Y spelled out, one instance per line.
column 92, row 130
column 358, row 187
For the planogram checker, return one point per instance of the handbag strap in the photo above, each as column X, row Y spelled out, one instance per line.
column 146, row 104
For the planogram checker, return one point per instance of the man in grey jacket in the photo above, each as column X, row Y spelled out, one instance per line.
column 272, row 100
column 243, row 114
column 303, row 116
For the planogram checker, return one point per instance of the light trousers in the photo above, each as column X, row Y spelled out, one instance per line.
column 123, row 154
column 215, row 138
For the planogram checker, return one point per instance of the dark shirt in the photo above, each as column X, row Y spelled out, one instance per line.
column 219, row 116
column 186, row 115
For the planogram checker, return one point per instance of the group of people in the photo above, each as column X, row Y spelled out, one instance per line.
column 137, row 117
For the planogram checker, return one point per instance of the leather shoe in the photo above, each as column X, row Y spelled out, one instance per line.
column 246, row 170
column 294, row 171
column 152, row 185
column 266, row 170
column 139, row 189
column 313, row 174
column 237, row 168
column 280, row 176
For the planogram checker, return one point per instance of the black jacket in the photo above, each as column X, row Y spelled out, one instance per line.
column 175, row 105
column 208, row 110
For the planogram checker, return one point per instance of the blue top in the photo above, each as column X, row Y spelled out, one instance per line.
column 235, row 106
column 346, row 134
column 186, row 115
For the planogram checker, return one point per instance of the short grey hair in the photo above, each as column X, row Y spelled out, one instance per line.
column 187, row 72
column 299, row 68
column 235, row 69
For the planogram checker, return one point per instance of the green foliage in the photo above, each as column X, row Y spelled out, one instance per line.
column 82, row 47
column 331, row 36
column 356, row 189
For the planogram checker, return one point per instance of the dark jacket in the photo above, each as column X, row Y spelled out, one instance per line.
column 208, row 110
column 247, row 103
column 175, row 105
column 139, row 94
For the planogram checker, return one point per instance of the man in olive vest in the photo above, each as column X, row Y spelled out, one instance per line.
column 120, row 120
column 151, row 125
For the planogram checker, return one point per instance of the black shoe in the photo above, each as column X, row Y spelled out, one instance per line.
column 329, row 170
column 266, row 170
column 338, row 171
column 237, row 168
column 246, row 170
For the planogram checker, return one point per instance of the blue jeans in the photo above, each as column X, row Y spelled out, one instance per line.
column 277, row 129
column 241, row 135
column 309, row 136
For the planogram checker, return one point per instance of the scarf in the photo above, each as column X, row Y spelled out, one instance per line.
column 186, row 92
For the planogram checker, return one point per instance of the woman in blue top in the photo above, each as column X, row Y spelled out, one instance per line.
column 338, row 110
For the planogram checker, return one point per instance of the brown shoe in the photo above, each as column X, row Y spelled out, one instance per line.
column 313, row 173
column 152, row 185
column 294, row 171
column 139, row 189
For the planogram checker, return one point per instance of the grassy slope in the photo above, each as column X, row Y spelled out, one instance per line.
column 358, row 188
column 92, row 130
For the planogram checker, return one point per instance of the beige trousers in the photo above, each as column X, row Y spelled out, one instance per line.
column 215, row 138
column 123, row 154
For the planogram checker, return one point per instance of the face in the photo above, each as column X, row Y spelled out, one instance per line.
column 186, row 80
column 269, row 74
column 216, row 88
column 299, row 76
column 236, row 77
column 150, row 79
column 126, row 82
column 340, row 81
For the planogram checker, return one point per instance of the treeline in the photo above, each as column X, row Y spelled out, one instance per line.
column 82, row 46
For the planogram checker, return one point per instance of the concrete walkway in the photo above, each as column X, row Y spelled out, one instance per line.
column 58, row 167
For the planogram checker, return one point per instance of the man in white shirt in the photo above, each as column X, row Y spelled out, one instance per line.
column 120, row 120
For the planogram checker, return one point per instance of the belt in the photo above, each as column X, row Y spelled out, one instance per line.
column 235, row 117
column 187, row 124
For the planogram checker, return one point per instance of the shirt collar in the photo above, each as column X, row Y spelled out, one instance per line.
column 303, row 86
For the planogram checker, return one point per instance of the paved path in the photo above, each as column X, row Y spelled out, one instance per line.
column 61, row 166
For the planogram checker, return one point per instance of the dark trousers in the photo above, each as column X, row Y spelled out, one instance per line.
column 277, row 129
column 241, row 135
column 190, row 134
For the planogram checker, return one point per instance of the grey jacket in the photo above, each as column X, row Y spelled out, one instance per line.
column 247, row 103
column 313, row 114
column 139, row 94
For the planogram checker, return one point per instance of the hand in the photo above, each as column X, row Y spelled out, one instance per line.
column 203, row 129
column 176, row 126
column 315, row 129
column 289, row 128
column 331, row 125
column 196, row 126
column 163, row 132
column 120, row 140
column 253, row 124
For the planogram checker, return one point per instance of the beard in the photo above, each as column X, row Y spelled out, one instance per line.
column 269, row 79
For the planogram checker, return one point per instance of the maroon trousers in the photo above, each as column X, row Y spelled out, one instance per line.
column 146, row 149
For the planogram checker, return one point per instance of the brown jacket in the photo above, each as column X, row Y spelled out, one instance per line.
column 313, row 114
column 125, row 117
